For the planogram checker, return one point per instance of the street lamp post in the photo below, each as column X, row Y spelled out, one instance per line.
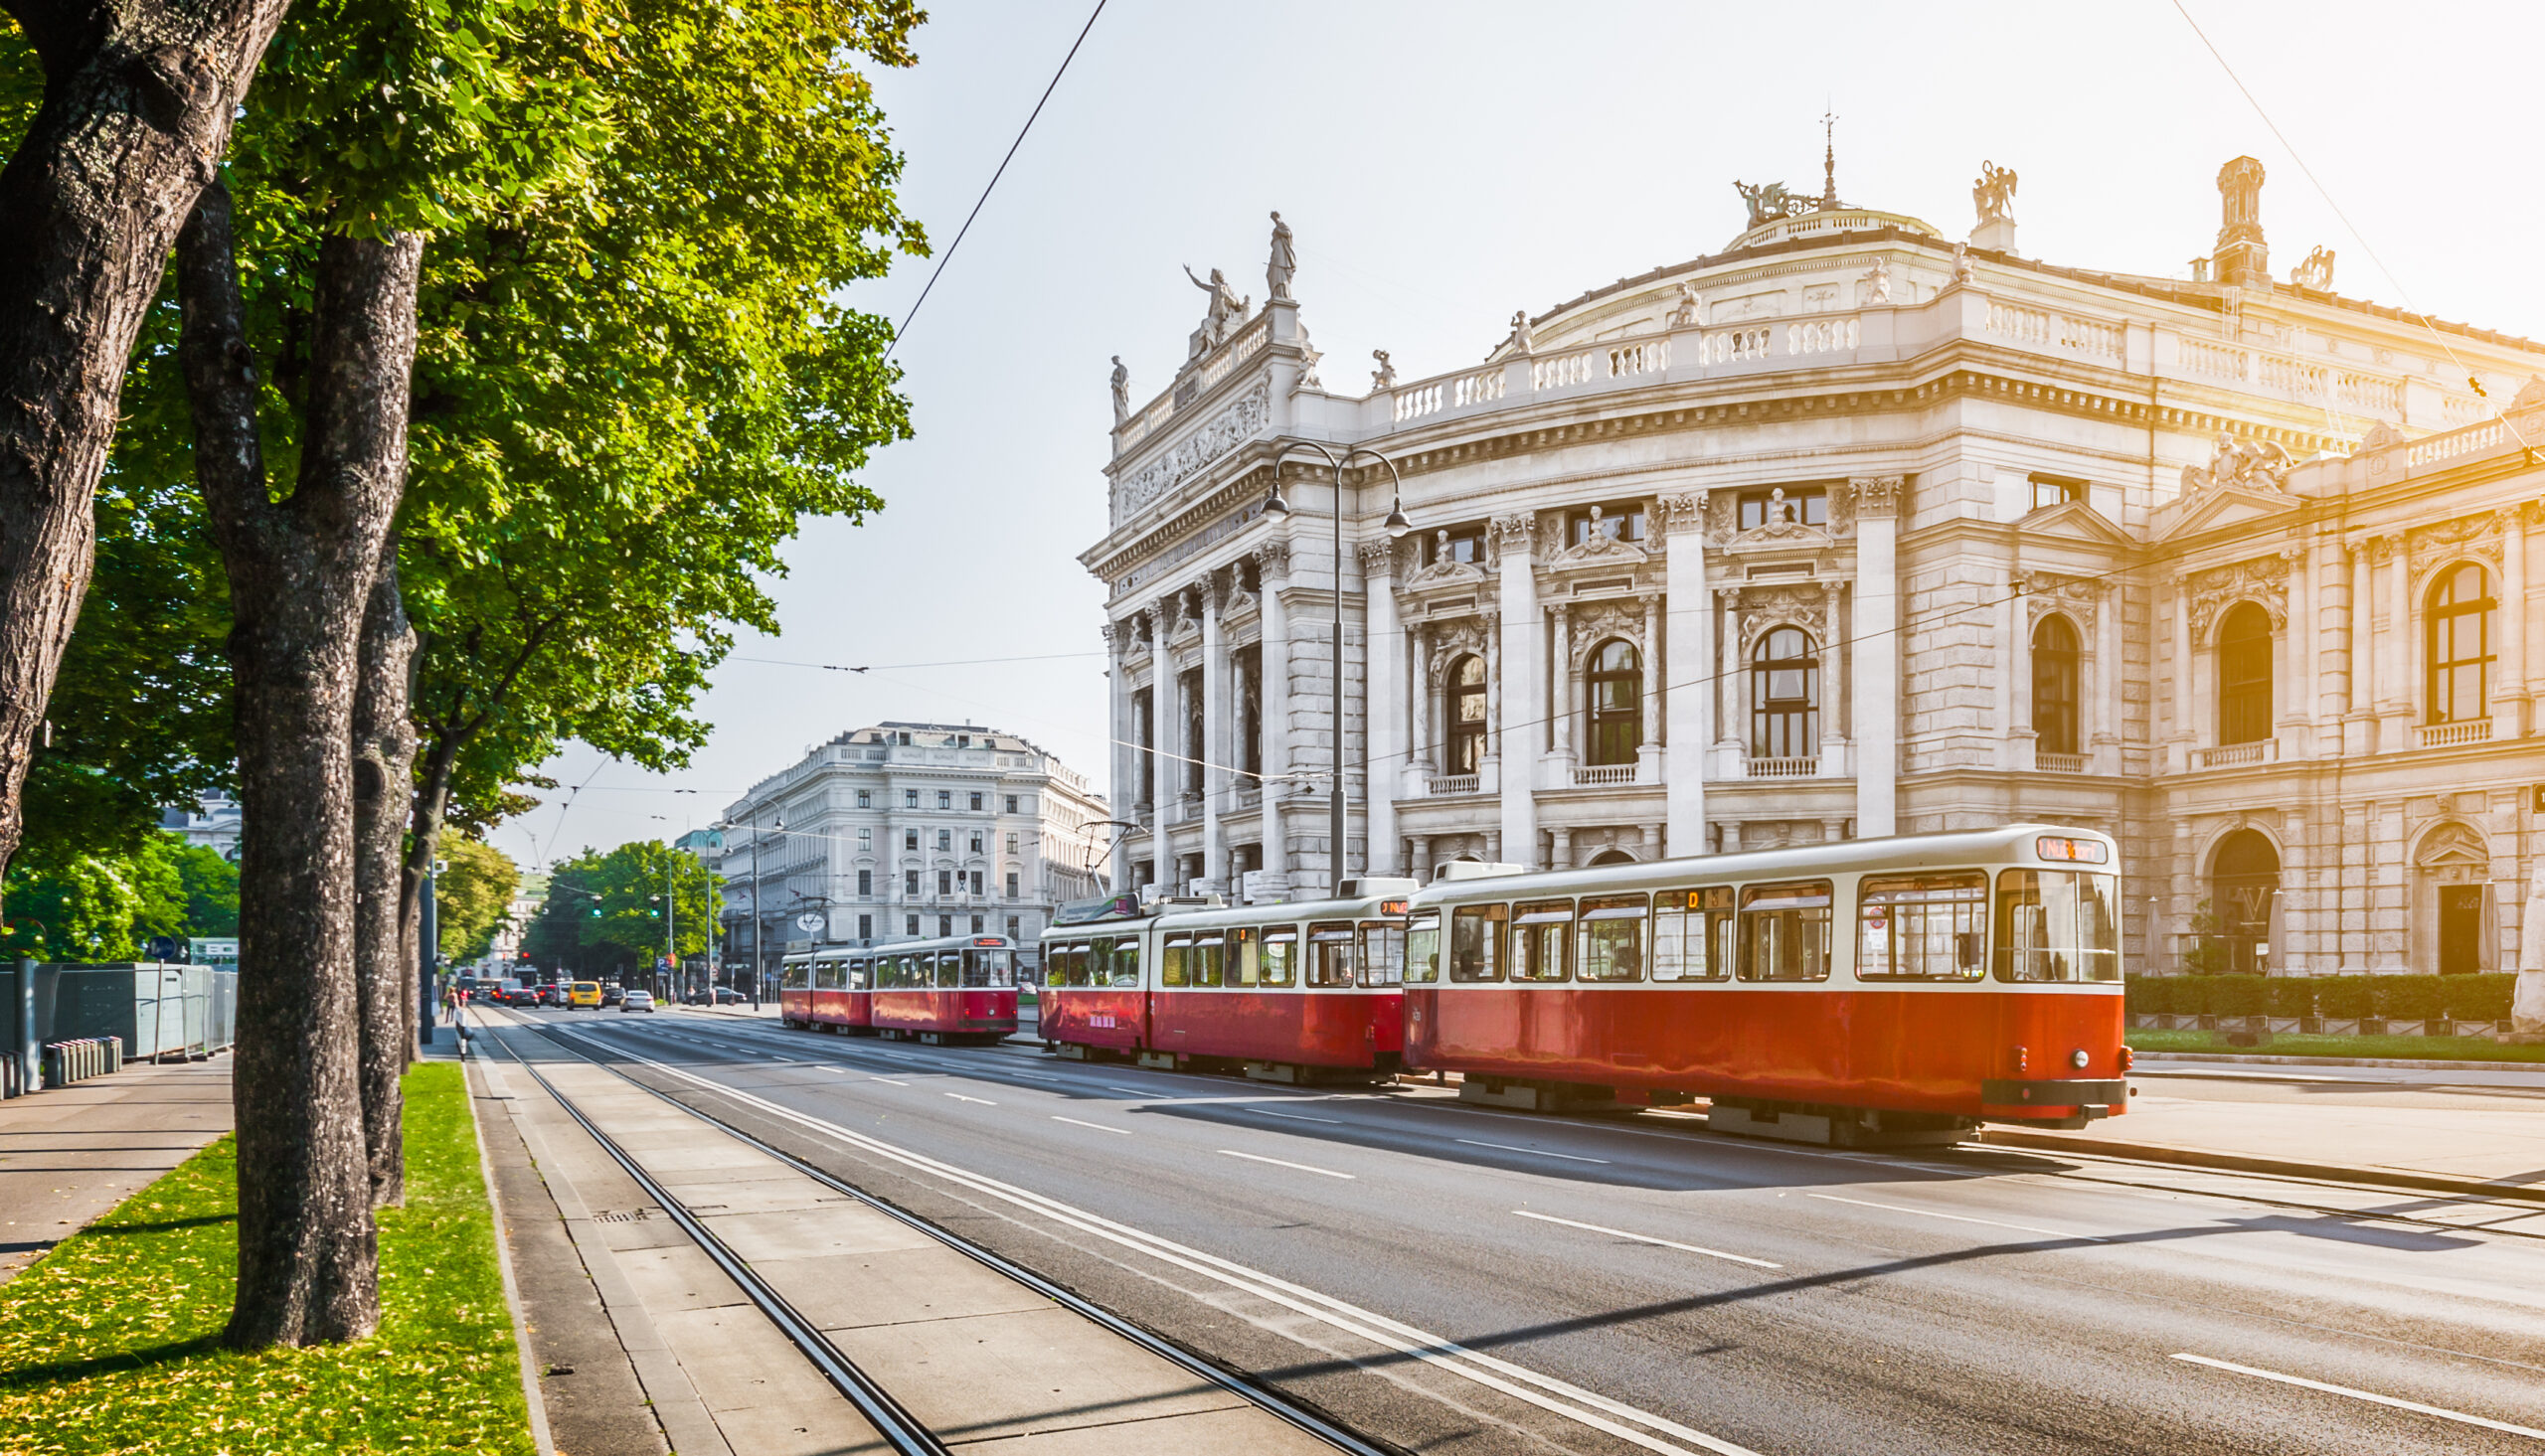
column 1396, row 526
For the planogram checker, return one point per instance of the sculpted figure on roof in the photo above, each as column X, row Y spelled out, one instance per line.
column 1994, row 192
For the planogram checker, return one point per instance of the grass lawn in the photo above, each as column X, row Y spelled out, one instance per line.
column 111, row 1342
column 2290, row 1044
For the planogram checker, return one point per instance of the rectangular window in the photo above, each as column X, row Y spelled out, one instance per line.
column 1126, row 963
column 1807, row 505
column 1011, row 885
column 976, row 842
column 910, row 888
column 910, row 923
column 1246, row 958
column 2055, row 926
column 945, row 798
column 944, row 840
column 865, row 798
column 1785, row 931
column 1281, row 956
column 1617, row 521
column 976, row 803
column 1422, row 950
column 1011, row 927
column 866, row 927
column 976, row 925
column 1693, row 935
column 1541, row 935
column 910, row 798
column 1209, row 954
column 1011, row 843
column 1171, row 958
column 1612, row 938
column 2056, row 490
column 946, row 924
column 944, row 881
column 1476, row 942
column 1011, row 805
column 866, row 839
column 865, row 885
column 1463, row 544
column 909, row 838
column 1382, row 953
column 1330, row 945
column 1922, row 928
column 976, row 882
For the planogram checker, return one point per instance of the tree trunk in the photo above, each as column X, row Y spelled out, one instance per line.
column 302, row 571
column 137, row 104
column 384, row 744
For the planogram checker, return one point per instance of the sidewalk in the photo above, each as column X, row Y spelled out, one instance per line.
column 69, row 1154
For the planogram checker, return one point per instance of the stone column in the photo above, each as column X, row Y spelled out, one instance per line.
column 1688, row 657
column 2021, row 738
column 1490, row 761
column 1215, row 715
column 2300, row 716
column 2359, row 725
column 1560, row 849
column 2105, row 730
column 2178, row 673
column 1423, row 756
column 1523, row 699
column 1567, row 707
column 1877, row 725
column 2509, row 695
column 2394, row 670
column 1383, row 705
column 1272, row 573
column 1649, row 755
column 1119, row 681
column 1835, row 650
column 1732, row 710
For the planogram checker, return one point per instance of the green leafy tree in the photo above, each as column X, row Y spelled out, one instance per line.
column 472, row 896
column 634, row 883
column 211, row 891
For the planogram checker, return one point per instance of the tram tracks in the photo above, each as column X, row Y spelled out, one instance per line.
column 889, row 1415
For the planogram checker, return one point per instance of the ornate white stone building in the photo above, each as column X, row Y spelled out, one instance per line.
column 1849, row 529
column 909, row 829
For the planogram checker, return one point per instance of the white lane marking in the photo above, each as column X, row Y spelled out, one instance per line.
column 1294, row 1116
column 1120, row 1132
column 1131, row 1091
column 1031, row 1077
column 1533, row 1152
column 872, row 1078
column 1712, row 1254
column 826, row 1066
column 1958, row 1218
column 1571, row 1402
column 783, row 1058
column 2368, row 1396
column 1278, row 1162
column 959, row 1097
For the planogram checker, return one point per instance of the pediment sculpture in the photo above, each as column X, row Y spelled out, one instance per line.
column 1602, row 545
column 1444, row 571
column 1783, row 522
column 2257, row 465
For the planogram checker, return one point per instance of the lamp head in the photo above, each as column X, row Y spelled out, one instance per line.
column 1273, row 505
column 1397, row 525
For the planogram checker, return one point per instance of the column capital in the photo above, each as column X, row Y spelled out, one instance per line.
column 1377, row 558
column 1877, row 496
column 1680, row 514
column 1273, row 559
column 1513, row 533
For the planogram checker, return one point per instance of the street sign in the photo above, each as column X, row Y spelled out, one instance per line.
column 810, row 921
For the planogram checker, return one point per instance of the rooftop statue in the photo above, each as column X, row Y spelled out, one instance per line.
column 1521, row 343
column 1994, row 192
column 1875, row 285
column 1226, row 308
column 2316, row 272
column 1284, row 262
column 1121, row 390
column 1767, row 201
column 1963, row 267
column 1383, row 377
column 2257, row 465
column 1691, row 309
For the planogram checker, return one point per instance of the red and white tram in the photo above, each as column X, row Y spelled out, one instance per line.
column 961, row 988
column 1281, row 992
column 1870, row 991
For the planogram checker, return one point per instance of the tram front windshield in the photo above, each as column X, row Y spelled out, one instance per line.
column 988, row 968
column 2058, row 925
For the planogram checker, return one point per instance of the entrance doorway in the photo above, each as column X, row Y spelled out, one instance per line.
column 2243, row 879
column 2460, row 929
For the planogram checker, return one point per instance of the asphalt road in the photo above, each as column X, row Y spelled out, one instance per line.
column 1455, row 1279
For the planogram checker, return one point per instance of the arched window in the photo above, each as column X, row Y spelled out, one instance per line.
column 2460, row 645
column 1616, row 702
column 1462, row 696
column 2244, row 675
column 2054, row 687
column 1614, row 857
column 1785, row 697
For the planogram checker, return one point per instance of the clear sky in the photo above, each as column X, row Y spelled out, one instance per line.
column 1444, row 163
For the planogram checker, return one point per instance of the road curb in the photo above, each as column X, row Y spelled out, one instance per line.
column 2407, row 1064
column 2004, row 1137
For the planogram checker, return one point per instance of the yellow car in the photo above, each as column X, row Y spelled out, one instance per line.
column 583, row 994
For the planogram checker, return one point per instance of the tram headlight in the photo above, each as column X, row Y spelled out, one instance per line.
column 2077, row 1058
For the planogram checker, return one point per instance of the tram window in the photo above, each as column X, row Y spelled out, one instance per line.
column 2057, row 925
column 795, row 977
column 1692, row 933
column 1170, row 960
column 1331, row 953
column 1209, row 955
column 861, row 975
column 950, row 969
column 1922, row 928
column 1612, row 938
column 1540, row 932
column 1422, row 950
column 1280, row 955
column 1785, row 931
column 1476, row 942
column 1127, row 962
column 1245, row 967
column 1382, row 952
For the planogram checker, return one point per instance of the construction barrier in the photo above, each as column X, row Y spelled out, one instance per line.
column 151, row 1010
column 66, row 1062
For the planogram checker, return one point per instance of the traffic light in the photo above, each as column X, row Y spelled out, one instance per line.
column 596, row 912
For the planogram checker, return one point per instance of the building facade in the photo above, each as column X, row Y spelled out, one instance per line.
column 908, row 830
column 1849, row 530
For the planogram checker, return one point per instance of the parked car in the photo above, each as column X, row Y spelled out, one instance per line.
column 636, row 1001
column 611, row 994
column 728, row 996
column 551, row 994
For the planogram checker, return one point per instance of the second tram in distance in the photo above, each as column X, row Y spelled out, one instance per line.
column 958, row 988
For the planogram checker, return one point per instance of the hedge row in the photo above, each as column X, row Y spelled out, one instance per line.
column 2396, row 998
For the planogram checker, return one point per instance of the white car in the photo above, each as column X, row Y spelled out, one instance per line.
column 637, row 1001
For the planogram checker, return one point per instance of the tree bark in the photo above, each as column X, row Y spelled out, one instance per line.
column 136, row 112
column 302, row 571
column 384, row 745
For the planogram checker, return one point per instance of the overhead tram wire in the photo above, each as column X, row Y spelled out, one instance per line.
column 2366, row 246
column 949, row 256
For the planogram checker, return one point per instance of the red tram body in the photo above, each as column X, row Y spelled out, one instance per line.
column 957, row 989
column 1284, row 991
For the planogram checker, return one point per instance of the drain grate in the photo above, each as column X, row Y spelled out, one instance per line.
column 638, row 1216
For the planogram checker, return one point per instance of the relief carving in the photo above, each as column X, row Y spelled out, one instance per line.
column 2264, row 580
column 1673, row 515
column 2075, row 597
column 1273, row 561
column 1241, row 421
column 1598, row 622
column 2467, row 536
column 1514, row 533
column 1877, row 497
column 1450, row 641
column 1764, row 608
column 2257, row 466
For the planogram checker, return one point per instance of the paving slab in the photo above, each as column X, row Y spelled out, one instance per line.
column 1053, row 1375
column 894, row 1286
column 69, row 1154
column 832, row 1228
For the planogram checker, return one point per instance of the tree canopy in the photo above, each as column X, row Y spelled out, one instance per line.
column 604, row 912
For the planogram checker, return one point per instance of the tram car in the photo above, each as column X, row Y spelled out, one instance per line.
column 1286, row 992
column 958, row 988
column 1864, row 993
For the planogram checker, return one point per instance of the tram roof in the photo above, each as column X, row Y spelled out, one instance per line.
column 2011, row 843
column 903, row 947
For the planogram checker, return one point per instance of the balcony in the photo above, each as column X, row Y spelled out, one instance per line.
column 2237, row 755
column 1455, row 783
column 2061, row 762
column 1803, row 767
column 2454, row 734
column 1586, row 776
